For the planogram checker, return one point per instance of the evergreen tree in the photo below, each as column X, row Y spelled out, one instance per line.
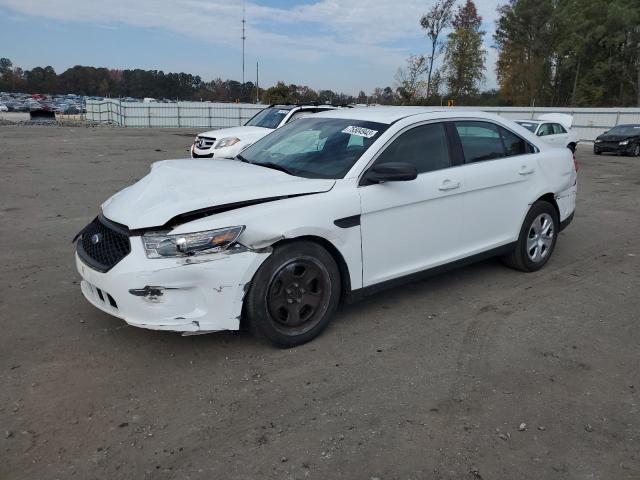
column 464, row 54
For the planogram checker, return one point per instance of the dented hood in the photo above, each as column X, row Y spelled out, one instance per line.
column 175, row 187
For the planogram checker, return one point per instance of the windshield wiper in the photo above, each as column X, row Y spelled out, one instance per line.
column 242, row 159
column 275, row 166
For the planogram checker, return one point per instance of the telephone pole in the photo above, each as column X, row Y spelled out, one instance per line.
column 244, row 21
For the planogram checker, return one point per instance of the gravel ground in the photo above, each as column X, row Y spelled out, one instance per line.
column 482, row 373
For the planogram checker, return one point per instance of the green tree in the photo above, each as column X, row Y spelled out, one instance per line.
column 434, row 22
column 409, row 79
column 464, row 54
column 569, row 52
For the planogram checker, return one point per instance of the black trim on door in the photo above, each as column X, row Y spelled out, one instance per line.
column 455, row 144
column 347, row 222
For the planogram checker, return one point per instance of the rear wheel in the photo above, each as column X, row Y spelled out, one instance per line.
column 294, row 294
column 537, row 239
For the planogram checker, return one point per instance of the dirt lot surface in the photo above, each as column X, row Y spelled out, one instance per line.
column 428, row 381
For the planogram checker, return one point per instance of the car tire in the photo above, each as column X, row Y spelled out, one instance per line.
column 293, row 295
column 597, row 152
column 537, row 238
column 636, row 151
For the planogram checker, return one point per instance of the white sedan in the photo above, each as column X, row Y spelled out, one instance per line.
column 334, row 206
column 554, row 129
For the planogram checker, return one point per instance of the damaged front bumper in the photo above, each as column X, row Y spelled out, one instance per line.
column 190, row 294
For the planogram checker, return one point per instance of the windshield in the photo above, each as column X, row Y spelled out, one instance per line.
column 268, row 118
column 630, row 130
column 529, row 126
column 315, row 147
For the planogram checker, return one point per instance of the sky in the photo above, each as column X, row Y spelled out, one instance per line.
column 342, row 45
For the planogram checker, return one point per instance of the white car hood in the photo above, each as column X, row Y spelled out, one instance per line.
column 175, row 187
column 243, row 133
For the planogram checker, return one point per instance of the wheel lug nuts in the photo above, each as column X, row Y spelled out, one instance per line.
column 288, row 290
column 289, row 301
column 295, row 285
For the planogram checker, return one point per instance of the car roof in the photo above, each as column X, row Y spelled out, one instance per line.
column 389, row 115
column 301, row 106
column 531, row 121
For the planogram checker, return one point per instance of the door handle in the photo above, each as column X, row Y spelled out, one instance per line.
column 526, row 171
column 448, row 185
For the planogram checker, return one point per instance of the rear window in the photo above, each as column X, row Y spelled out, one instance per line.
column 487, row 141
column 480, row 141
column 558, row 129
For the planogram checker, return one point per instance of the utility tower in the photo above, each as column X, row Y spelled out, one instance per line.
column 244, row 37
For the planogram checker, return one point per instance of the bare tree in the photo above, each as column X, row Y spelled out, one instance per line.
column 409, row 78
column 434, row 22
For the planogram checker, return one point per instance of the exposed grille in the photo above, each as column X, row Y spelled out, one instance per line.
column 103, row 244
column 608, row 144
column 205, row 143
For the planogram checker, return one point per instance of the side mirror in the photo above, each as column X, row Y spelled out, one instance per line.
column 391, row 172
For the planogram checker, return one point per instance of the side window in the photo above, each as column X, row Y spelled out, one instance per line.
column 480, row 141
column 557, row 129
column 545, row 129
column 425, row 146
column 513, row 144
column 298, row 114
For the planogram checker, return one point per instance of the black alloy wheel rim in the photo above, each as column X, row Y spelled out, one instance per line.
column 298, row 295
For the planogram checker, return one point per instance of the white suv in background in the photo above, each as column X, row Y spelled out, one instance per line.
column 228, row 142
column 554, row 129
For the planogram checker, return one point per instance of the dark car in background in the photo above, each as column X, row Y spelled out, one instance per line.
column 622, row 139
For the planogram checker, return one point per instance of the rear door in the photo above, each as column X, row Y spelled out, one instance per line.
column 560, row 134
column 501, row 173
column 411, row 226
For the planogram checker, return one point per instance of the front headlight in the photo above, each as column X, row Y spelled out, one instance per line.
column 226, row 142
column 598, row 140
column 189, row 244
column 624, row 142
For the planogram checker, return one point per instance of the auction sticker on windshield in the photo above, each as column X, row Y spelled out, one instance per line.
column 360, row 131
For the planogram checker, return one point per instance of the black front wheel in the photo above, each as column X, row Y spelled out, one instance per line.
column 294, row 294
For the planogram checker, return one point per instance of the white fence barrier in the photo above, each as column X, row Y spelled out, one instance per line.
column 171, row 115
column 588, row 123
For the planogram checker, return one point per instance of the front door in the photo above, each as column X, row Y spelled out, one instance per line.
column 411, row 226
